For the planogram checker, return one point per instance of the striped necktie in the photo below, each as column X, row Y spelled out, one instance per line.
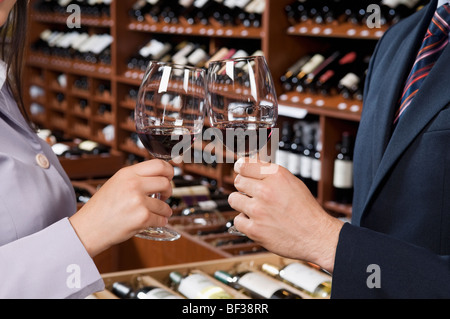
column 436, row 39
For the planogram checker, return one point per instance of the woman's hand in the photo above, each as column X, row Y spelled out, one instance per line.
column 123, row 206
column 279, row 212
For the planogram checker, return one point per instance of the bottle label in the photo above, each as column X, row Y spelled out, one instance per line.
column 391, row 3
column 410, row 3
column 316, row 170
column 200, row 3
column 305, row 166
column 282, row 158
column 159, row 293
column 313, row 63
column 294, row 162
column 343, row 174
column 197, row 286
column 207, row 205
column 259, row 284
column 350, row 80
column 303, row 276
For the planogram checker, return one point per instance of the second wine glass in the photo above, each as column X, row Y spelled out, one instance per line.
column 242, row 104
column 169, row 116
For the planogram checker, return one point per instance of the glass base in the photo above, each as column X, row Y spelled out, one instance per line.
column 159, row 234
column 232, row 230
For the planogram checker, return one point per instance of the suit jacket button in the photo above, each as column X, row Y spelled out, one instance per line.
column 42, row 161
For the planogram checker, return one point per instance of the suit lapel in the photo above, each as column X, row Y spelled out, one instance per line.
column 387, row 145
column 432, row 97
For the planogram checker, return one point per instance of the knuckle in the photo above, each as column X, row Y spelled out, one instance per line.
column 136, row 200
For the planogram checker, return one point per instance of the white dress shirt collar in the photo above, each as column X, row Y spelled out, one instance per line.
column 442, row 2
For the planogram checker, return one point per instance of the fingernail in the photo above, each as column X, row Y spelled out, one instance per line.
column 238, row 165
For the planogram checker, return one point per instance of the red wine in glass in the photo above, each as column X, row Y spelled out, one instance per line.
column 244, row 138
column 243, row 104
column 170, row 111
column 162, row 142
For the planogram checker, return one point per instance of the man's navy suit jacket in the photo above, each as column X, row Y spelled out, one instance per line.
column 401, row 208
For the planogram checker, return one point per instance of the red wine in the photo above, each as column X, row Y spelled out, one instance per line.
column 244, row 137
column 161, row 141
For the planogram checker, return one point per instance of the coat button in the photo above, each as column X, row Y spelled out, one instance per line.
column 42, row 161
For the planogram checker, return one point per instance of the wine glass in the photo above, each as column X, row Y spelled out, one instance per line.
column 242, row 104
column 169, row 115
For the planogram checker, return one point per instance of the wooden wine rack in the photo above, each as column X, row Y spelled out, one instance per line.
column 281, row 43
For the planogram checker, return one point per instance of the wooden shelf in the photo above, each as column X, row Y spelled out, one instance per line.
column 337, row 30
column 333, row 106
column 212, row 30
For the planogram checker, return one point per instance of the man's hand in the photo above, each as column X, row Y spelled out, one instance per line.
column 279, row 212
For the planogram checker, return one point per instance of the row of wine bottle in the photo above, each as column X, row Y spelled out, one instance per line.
column 333, row 72
column 94, row 8
column 89, row 48
column 355, row 12
column 254, row 283
column 185, row 53
column 70, row 148
column 300, row 152
column 227, row 12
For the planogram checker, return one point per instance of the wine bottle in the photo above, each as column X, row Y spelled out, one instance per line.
column 294, row 157
column 316, row 165
column 208, row 206
column 140, row 8
column 348, row 85
column 353, row 79
column 180, row 57
column 255, row 285
column 150, row 292
column 91, row 147
column 173, row 9
column 388, row 11
column 189, row 196
column 198, row 57
column 125, row 291
column 329, row 80
column 216, row 229
column 343, row 170
column 157, row 9
column 238, row 11
column 222, row 54
column 405, row 8
column 297, row 11
column 305, row 278
column 329, row 11
column 222, row 12
column 313, row 76
column 284, row 145
column 357, row 13
column 287, row 78
column 205, row 9
column 197, row 286
column 232, row 241
column 310, row 66
column 252, row 14
column 82, row 195
column 306, row 156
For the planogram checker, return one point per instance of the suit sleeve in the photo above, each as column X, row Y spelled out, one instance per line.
column 373, row 265
column 50, row 264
